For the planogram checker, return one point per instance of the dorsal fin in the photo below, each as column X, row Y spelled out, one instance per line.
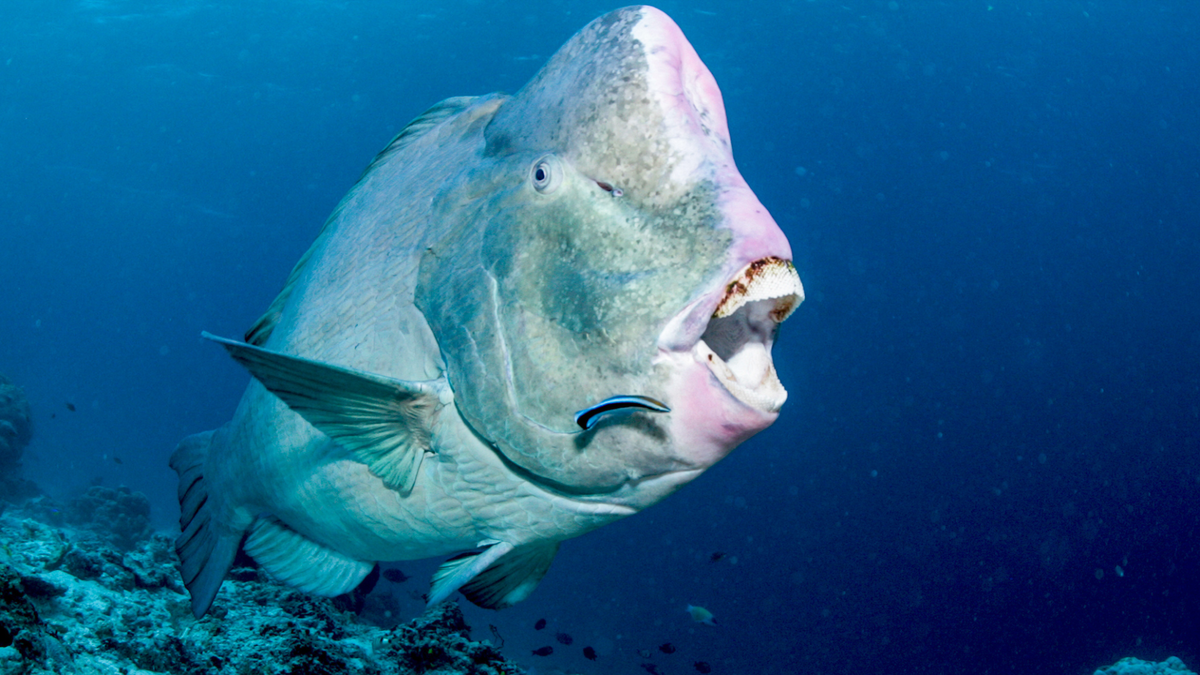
column 435, row 115
column 261, row 330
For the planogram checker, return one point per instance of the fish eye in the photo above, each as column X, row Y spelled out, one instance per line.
column 546, row 174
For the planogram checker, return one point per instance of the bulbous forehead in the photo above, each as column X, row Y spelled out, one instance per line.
column 628, row 101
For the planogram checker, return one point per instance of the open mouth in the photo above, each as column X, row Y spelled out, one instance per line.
column 736, row 344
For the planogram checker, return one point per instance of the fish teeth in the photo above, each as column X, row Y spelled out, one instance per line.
column 767, row 393
column 765, row 279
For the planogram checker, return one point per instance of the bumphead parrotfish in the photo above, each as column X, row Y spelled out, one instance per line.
column 532, row 315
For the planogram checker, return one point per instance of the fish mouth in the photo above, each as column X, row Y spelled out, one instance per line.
column 735, row 340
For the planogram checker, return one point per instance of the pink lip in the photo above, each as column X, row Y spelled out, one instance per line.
column 707, row 421
column 722, row 394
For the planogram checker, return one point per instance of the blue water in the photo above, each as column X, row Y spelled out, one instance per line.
column 995, row 380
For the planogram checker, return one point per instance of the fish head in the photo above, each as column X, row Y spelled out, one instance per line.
column 605, row 244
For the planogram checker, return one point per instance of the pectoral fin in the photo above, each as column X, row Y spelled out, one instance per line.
column 497, row 577
column 384, row 423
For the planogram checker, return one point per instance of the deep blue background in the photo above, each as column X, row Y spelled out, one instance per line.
column 995, row 380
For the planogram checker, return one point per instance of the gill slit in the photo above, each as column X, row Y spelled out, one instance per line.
column 510, row 389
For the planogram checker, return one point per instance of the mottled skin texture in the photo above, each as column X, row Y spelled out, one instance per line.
column 448, row 263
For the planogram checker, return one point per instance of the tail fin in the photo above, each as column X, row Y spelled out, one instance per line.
column 205, row 550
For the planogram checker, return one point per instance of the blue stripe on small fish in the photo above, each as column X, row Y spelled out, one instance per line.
column 588, row 417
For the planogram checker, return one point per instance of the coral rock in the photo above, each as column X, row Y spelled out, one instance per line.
column 1132, row 666
column 75, row 601
column 120, row 515
column 16, row 425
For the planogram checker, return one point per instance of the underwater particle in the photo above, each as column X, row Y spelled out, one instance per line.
column 395, row 576
column 1099, row 573
column 117, row 460
column 666, row 648
column 701, row 615
column 1120, row 572
column 651, row 668
column 541, row 623
column 564, row 639
column 645, row 653
column 589, row 653
column 702, row 666
column 543, row 651
column 716, row 556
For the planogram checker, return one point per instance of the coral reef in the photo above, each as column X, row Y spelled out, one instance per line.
column 120, row 515
column 1132, row 666
column 16, row 429
column 77, row 599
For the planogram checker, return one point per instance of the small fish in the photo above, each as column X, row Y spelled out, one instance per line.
column 70, row 406
column 117, row 460
column 703, row 667
column 381, row 642
column 666, row 648
column 543, row 651
column 541, row 623
column 716, row 556
column 701, row 615
column 651, row 668
column 645, row 653
column 587, row 418
column 395, row 576
column 589, row 653
column 563, row 638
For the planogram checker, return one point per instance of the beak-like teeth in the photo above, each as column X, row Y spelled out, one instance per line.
column 765, row 279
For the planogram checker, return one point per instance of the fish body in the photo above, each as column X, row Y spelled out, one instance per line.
column 507, row 262
column 701, row 615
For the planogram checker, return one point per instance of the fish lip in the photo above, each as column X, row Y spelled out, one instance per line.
column 740, row 318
